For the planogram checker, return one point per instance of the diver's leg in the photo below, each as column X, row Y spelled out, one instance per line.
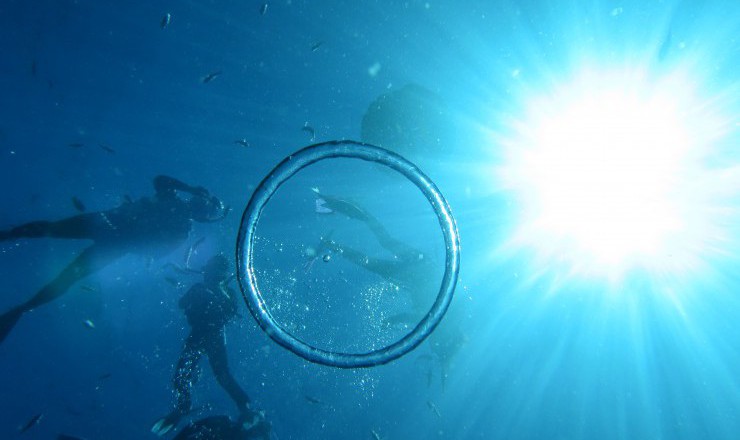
column 28, row 230
column 78, row 226
column 90, row 260
column 216, row 349
column 186, row 373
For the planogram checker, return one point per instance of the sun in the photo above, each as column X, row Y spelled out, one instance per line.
column 603, row 170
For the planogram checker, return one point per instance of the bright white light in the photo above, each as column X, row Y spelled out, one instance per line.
column 602, row 169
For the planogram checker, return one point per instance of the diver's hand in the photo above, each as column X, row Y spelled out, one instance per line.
column 249, row 417
column 166, row 423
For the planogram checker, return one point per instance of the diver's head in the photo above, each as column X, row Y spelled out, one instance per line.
column 217, row 269
column 206, row 208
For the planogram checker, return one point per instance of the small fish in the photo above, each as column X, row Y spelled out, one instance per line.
column 434, row 408
column 128, row 199
column 375, row 435
column 105, row 376
column 68, row 437
column 76, row 145
column 87, row 288
column 263, row 9
column 316, row 46
column 211, row 76
column 89, row 324
column 78, row 204
column 165, row 21
column 33, row 421
column 242, row 142
column 107, row 148
column 308, row 129
column 313, row 400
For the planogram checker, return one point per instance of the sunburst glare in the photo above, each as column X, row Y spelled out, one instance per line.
column 608, row 174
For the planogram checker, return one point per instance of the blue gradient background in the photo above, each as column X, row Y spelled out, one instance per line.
column 544, row 358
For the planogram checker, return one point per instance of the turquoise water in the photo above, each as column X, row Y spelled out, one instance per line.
column 546, row 337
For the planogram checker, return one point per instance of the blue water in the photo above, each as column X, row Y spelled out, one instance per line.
column 544, row 354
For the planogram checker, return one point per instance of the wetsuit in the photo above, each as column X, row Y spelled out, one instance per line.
column 152, row 226
column 208, row 307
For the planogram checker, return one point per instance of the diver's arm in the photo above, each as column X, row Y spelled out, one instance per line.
column 166, row 184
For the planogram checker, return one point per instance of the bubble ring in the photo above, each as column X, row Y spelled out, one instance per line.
column 245, row 253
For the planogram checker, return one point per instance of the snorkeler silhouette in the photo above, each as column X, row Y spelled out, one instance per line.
column 208, row 306
column 150, row 226
column 407, row 269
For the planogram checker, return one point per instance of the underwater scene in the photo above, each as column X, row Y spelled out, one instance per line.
column 374, row 220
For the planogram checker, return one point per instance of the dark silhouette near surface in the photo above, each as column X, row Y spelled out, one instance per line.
column 150, row 226
column 208, row 306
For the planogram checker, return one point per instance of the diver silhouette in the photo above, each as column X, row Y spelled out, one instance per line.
column 208, row 306
column 150, row 226
column 408, row 269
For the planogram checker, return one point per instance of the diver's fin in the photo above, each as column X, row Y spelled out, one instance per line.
column 8, row 321
column 162, row 426
column 248, row 418
column 321, row 207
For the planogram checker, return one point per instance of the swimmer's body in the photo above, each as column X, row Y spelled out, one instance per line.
column 150, row 226
column 407, row 269
column 208, row 306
